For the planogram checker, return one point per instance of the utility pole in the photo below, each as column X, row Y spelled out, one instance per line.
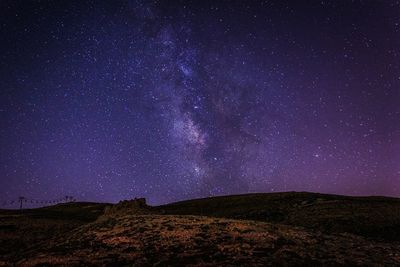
column 21, row 199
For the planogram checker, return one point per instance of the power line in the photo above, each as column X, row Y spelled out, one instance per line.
column 31, row 201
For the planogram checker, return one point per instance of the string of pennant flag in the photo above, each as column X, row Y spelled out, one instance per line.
column 27, row 201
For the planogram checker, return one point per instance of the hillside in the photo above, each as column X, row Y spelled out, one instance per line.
column 372, row 217
column 282, row 229
column 170, row 240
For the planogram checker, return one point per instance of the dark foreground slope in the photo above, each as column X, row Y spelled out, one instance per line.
column 285, row 229
column 170, row 240
column 21, row 230
column 371, row 217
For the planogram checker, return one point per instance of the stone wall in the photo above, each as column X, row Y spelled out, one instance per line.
column 134, row 206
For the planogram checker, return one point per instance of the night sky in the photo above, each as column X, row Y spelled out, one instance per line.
column 171, row 100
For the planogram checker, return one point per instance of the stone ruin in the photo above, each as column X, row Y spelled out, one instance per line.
column 125, row 207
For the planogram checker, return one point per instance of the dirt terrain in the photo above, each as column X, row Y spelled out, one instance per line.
column 270, row 232
column 372, row 217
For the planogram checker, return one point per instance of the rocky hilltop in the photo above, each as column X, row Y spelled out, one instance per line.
column 135, row 206
column 285, row 229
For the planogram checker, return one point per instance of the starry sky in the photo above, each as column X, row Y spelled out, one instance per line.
column 171, row 100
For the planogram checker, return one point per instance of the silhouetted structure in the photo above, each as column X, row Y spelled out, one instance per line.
column 134, row 206
column 21, row 200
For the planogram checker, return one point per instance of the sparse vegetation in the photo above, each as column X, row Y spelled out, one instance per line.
column 371, row 217
column 79, row 234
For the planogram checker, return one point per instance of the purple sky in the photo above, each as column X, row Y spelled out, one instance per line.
column 170, row 100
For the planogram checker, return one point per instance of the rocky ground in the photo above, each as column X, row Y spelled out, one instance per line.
column 133, row 234
column 201, row 241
